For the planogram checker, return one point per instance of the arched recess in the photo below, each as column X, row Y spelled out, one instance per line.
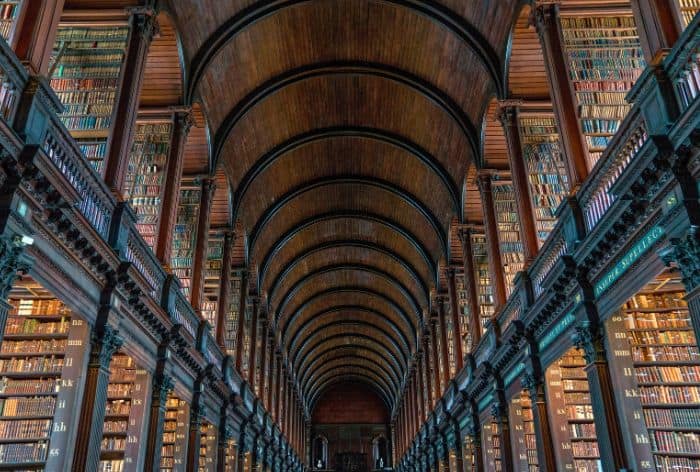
column 527, row 77
column 357, row 371
column 340, row 377
column 338, row 363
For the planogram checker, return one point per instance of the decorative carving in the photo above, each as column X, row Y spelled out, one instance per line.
column 163, row 384
column 145, row 22
column 104, row 345
column 11, row 262
column 543, row 17
column 685, row 252
column 589, row 338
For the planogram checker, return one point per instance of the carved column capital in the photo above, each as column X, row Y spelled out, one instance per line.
column 163, row 384
column 543, row 16
column 145, row 21
column 589, row 338
column 685, row 252
column 104, row 345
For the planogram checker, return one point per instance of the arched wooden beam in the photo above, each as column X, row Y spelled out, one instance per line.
column 354, row 243
column 349, row 267
column 293, row 350
column 367, row 181
column 441, row 15
column 350, row 289
column 350, row 324
column 337, row 309
column 358, row 215
column 294, row 76
column 353, row 369
column 398, row 355
column 357, row 348
column 321, row 389
column 331, row 364
column 376, row 134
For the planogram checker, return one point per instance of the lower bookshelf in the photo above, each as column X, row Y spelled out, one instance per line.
column 523, row 433
column 174, row 449
column 571, row 414
column 491, row 443
column 656, row 366
column 207, row 447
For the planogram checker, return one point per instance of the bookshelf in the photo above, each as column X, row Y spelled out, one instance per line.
column 247, row 328
column 143, row 185
column 450, row 336
column 546, row 169
column 185, row 233
column 231, row 456
column 124, row 413
column 468, row 453
column 9, row 10
column 232, row 313
column 174, row 449
column 85, row 72
column 688, row 10
column 40, row 356
column 659, row 361
column 523, row 433
column 571, row 414
column 483, row 279
column 464, row 315
column 492, row 446
column 212, row 278
column 605, row 59
column 207, row 448
column 507, row 223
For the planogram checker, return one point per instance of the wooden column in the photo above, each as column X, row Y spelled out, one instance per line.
column 441, row 300
column 546, row 459
column 436, row 362
column 182, row 123
column 590, row 338
column 224, row 289
column 240, row 459
column 428, row 379
column 241, row 320
column 659, row 26
column 474, row 434
column 195, row 429
column 465, row 236
column 271, row 380
column 263, row 358
column 225, row 434
column 493, row 248
column 509, row 118
column 456, row 327
column 457, row 447
column 142, row 27
column 278, row 388
column 545, row 16
column 199, row 258
column 162, row 386
column 499, row 411
column 421, row 386
column 35, row 34
column 104, row 342
column 252, row 361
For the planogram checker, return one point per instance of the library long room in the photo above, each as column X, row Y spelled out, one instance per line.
column 350, row 236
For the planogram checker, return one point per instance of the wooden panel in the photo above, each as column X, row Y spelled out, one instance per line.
column 495, row 146
column 221, row 203
column 197, row 145
column 162, row 83
column 527, row 77
column 473, row 212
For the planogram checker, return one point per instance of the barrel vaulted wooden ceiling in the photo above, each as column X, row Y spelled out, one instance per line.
column 348, row 131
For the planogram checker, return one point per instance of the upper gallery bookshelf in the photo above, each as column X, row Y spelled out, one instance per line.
column 185, row 233
column 508, row 227
column 85, row 74
column 143, row 185
column 546, row 168
column 9, row 10
column 688, row 9
column 604, row 59
column 212, row 277
column 483, row 279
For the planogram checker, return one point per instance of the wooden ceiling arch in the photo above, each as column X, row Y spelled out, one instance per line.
column 346, row 131
column 340, row 378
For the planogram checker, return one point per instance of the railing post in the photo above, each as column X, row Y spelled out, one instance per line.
column 493, row 248
column 199, row 257
column 162, row 385
column 35, row 33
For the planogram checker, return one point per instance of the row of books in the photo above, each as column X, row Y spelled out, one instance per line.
column 666, row 354
column 676, row 464
column 21, row 325
column 27, row 387
column 660, row 301
column 74, row 92
column 585, row 449
column 38, row 307
column 661, row 337
column 688, row 8
column 26, row 406
column 48, row 364
column 18, row 453
column 26, row 429
column 681, row 374
column 669, row 394
column 33, row 346
column 668, row 318
column 676, row 442
column 672, row 418
column 582, row 430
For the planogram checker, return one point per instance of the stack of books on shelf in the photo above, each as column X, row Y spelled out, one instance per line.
column 32, row 356
column 119, row 403
column 605, row 59
column 546, row 169
column 688, row 9
column 212, row 278
column 666, row 362
column 207, row 448
column 492, row 446
column 85, row 72
column 464, row 314
column 143, row 185
column 174, row 435
column 9, row 9
column 231, row 327
column 508, row 224
column 524, row 441
column 568, row 392
column 185, row 234
column 483, row 279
